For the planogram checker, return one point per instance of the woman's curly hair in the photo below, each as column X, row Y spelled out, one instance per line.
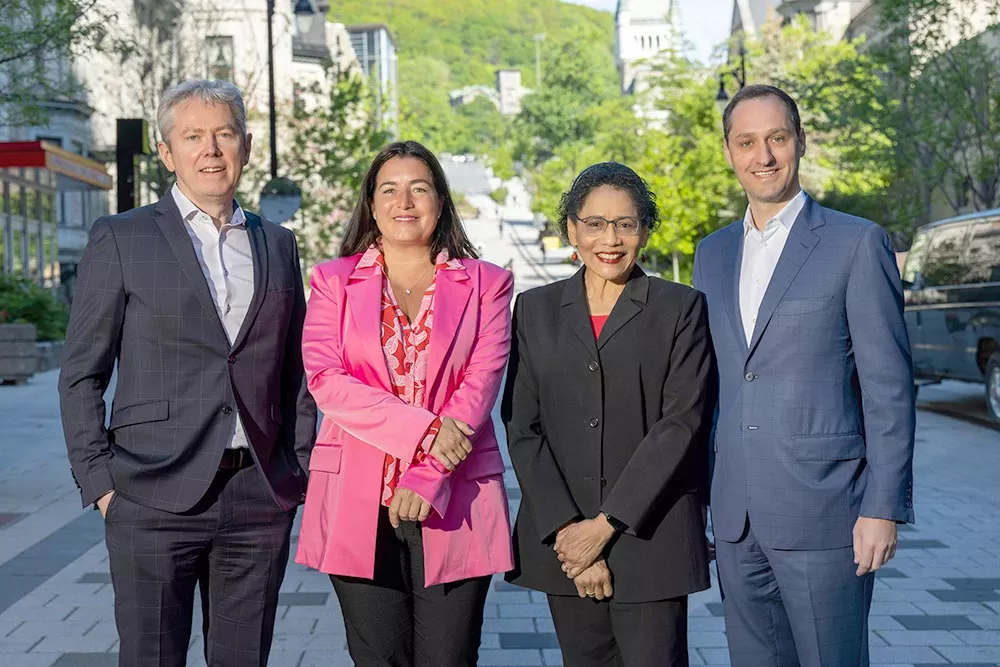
column 617, row 176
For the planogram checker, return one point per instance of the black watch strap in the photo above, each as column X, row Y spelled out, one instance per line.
column 616, row 524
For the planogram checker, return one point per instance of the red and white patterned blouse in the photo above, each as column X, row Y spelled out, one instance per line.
column 406, row 346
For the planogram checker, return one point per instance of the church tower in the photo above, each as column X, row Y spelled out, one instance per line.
column 643, row 28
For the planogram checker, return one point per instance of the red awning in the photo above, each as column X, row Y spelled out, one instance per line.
column 75, row 172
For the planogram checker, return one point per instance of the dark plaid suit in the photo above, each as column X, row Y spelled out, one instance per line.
column 176, row 520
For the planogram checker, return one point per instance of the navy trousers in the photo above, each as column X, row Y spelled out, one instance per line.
column 793, row 608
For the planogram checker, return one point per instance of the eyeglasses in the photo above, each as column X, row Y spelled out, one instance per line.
column 596, row 225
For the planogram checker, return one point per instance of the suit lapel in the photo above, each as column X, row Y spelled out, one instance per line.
column 801, row 241
column 733, row 258
column 629, row 304
column 575, row 313
column 451, row 298
column 258, row 250
column 364, row 301
column 171, row 225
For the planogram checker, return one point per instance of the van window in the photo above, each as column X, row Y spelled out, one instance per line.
column 983, row 257
column 915, row 257
column 943, row 264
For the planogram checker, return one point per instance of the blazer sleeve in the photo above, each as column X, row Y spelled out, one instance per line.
column 679, row 434
column 370, row 414
column 93, row 338
column 885, row 371
column 473, row 400
column 298, row 408
column 538, row 474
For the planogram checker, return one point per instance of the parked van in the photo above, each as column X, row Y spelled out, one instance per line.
column 952, row 285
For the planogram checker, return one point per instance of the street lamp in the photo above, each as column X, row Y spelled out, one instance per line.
column 304, row 15
column 738, row 73
column 538, row 59
column 280, row 198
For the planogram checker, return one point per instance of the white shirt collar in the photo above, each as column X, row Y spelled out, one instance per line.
column 786, row 216
column 188, row 208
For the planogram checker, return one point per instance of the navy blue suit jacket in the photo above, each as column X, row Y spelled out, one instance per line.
column 816, row 415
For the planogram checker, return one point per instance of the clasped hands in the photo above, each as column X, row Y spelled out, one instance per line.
column 450, row 447
column 578, row 547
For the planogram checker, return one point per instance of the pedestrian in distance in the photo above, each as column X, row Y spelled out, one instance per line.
column 607, row 406
column 815, row 429
column 406, row 337
column 201, row 469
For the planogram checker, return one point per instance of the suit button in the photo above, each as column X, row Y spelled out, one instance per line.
column 227, row 410
column 593, row 366
column 604, row 482
column 594, row 422
column 749, row 377
column 232, row 359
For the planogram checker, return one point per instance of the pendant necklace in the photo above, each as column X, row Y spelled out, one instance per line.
column 422, row 276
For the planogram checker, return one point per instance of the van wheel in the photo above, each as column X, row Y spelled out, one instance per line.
column 993, row 385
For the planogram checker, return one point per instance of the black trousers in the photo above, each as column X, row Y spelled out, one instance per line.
column 396, row 621
column 605, row 633
column 233, row 545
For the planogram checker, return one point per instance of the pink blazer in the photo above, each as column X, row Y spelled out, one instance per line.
column 468, row 534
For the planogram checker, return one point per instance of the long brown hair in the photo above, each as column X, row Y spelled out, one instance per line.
column 362, row 230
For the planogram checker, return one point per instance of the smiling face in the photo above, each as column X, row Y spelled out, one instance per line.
column 206, row 152
column 406, row 205
column 764, row 151
column 610, row 254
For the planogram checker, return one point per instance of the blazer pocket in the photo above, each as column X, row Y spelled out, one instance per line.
column 485, row 463
column 140, row 413
column 803, row 306
column 326, row 458
column 276, row 414
column 281, row 289
column 845, row 447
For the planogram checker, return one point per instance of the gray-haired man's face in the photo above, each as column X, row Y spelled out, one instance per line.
column 205, row 151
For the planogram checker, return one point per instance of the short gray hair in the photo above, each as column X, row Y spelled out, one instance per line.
column 212, row 92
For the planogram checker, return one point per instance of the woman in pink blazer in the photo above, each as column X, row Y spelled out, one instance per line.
column 405, row 341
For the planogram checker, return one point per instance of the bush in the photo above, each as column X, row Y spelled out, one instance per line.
column 22, row 301
column 499, row 195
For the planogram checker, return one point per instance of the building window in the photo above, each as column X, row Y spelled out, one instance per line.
column 219, row 58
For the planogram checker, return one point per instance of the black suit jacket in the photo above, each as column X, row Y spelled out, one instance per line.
column 617, row 425
column 142, row 300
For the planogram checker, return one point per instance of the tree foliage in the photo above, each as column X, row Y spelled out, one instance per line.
column 332, row 134
column 450, row 44
column 37, row 39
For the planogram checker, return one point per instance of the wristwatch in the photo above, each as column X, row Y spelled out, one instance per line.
column 618, row 525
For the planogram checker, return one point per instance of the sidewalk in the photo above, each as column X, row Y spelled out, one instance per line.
column 938, row 603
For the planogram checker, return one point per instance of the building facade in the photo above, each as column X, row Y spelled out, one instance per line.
column 376, row 53
column 643, row 28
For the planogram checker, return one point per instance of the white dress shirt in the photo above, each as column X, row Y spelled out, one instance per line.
column 761, row 252
column 227, row 264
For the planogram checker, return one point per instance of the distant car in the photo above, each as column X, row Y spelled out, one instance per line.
column 952, row 286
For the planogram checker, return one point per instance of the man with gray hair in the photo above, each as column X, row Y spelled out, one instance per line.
column 203, row 463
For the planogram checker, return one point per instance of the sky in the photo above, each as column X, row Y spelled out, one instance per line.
column 705, row 22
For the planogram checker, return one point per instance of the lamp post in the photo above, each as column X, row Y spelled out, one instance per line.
column 280, row 198
column 538, row 59
column 304, row 14
column 739, row 73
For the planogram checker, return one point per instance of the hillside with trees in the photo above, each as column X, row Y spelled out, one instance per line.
column 448, row 44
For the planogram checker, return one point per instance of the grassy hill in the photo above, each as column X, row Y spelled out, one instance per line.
column 473, row 38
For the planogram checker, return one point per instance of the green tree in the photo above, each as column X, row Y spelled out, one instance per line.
column 332, row 144
column 940, row 60
column 37, row 39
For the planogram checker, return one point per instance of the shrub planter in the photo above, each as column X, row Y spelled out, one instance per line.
column 18, row 352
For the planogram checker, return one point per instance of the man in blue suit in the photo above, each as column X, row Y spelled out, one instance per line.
column 814, row 438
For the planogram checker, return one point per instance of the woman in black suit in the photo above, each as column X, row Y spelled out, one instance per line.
column 607, row 406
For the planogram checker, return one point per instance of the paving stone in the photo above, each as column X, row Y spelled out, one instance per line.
column 699, row 639
column 889, row 573
column 87, row 660
column 715, row 608
column 527, row 640
column 980, row 654
column 302, row 599
column 509, row 657
column 967, row 595
column 920, row 544
column 523, row 610
column 973, row 584
column 923, row 623
column 979, row 637
column 919, row 637
column 903, row 654
column 552, row 656
column 497, row 625
column 95, row 578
